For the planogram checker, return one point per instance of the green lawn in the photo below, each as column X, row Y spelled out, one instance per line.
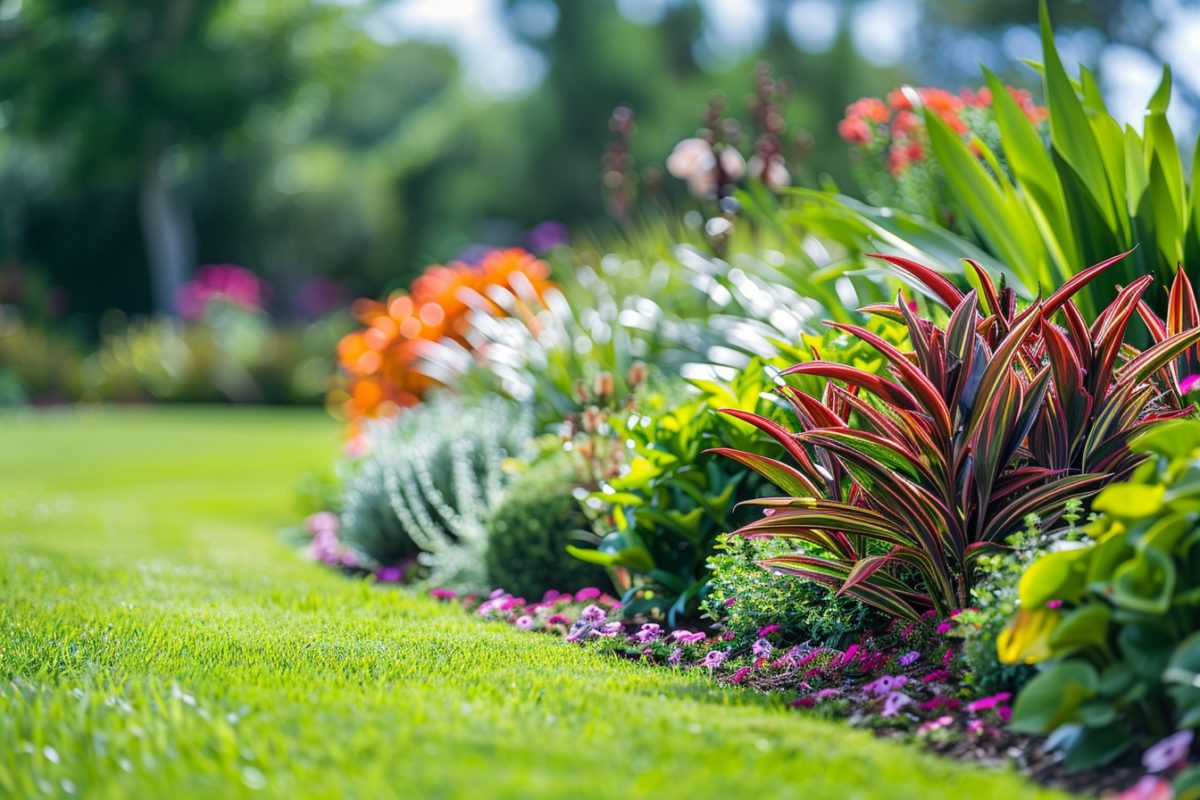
column 158, row 640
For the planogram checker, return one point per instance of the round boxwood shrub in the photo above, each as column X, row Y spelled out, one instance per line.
column 529, row 531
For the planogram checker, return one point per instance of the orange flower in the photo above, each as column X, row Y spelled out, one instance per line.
column 380, row 362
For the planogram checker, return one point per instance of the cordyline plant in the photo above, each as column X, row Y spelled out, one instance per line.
column 902, row 482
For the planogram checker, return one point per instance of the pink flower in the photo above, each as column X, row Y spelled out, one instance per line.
column 714, row 658
column 443, row 594
column 941, row 701
column 1054, row 603
column 1170, row 752
column 768, row 630
column 1189, row 384
column 975, row 727
column 586, row 594
column 1149, row 787
column 740, row 675
column 551, row 595
column 944, row 628
column 594, row 615
column 825, row 694
column 558, row 619
column 524, row 622
column 761, row 649
column 729, row 603
column 908, row 659
column 1004, row 713
column 948, row 656
column 937, row 724
column 937, row 675
column 687, row 637
column 988, row 702
column 226, row 283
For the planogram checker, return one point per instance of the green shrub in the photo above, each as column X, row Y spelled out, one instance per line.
column 994, row 600
column 1117, row 622
column 528, row 534
column 745, row 598
column 431, row 477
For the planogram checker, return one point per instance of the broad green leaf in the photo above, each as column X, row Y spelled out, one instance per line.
column 1051, row 698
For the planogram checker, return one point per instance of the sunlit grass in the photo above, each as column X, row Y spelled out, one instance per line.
column 158, row 640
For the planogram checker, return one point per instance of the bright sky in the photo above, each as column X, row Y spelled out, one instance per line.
column 498, row 64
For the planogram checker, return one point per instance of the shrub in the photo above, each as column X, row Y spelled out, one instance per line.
column 1117, row 622
column 994, row 600
column 994, row 416
column 671, row 503
column 427, row 484
column 528, row 533
column 744, row 598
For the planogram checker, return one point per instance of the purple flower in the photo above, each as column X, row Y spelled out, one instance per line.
column 687, row 637
column 609, row 630
column 714, row 658
column 909, row 658
column 524, row 622
column 825, row 694
column 675, row 656
column 1169, row 752
column 768, row 630
column 545, row 236
column 944, row 628
column 762, row 649
column 593, row 615
column 649, row 632
column 885, row 684
column 389, row 574
column 893, row 703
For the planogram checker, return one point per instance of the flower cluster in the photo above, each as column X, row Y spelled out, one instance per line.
column 381, row 362
column 325, row 546
column 221, row 283
column 896, row 125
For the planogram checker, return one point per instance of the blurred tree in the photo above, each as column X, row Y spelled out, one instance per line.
column 129, row 90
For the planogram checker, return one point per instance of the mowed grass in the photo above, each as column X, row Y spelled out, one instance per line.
column 158, row 640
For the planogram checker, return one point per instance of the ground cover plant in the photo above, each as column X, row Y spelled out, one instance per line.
column 162, row 640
